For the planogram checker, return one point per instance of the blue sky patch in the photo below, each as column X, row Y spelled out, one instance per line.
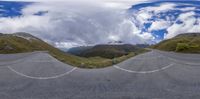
column 12, row 9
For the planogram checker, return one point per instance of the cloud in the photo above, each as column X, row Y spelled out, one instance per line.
column 147, row 36
column 188, row 9
column 142, row 17
column 159, row 25
column 125, row 4
column 66, row 45
column 160, row 8
column 65, row 25
column 189, row 24
column 185, row 16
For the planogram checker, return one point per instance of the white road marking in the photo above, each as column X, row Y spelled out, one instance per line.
column 179, row 61
column 144, row 72
column 42, row 78
column 183, row 62
column 149, row 58
column 13, row 62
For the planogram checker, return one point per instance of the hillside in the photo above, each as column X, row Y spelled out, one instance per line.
column 23, row 42
column 185, row 43
column 78, row 50
column 110, row 51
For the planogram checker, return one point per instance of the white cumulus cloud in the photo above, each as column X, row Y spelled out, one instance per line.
column 159, row 25
column 190, row 24
column 66, row 25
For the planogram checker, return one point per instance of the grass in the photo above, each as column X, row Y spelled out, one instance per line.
column 13, row 44
column 109, row 51
column 93, row 62
column 182, row 43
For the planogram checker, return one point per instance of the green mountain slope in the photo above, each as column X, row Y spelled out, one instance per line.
column 78, row 50
column 23, row 42
column 110, row 51
column 185, row 43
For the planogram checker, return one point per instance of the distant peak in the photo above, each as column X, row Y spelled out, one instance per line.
column 116, row 42
column 25, row 35
column 22, row 33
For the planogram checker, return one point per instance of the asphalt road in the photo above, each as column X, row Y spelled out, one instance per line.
column 153, row 75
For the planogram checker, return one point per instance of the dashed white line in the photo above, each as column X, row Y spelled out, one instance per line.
column 144, row 72
column 42, row 78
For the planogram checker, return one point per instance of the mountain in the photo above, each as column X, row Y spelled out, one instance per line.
column 115, row 42
column 109, row 51
column 188, row 35
column 24, row 42
column 186, row 43
column 142, row 45
column 25, row 36
column 1, row 34
column 78, row 50
column 106, row 50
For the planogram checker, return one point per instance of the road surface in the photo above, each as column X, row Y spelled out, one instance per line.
column 153, row 75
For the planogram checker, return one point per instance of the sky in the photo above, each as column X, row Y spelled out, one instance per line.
column 71, row 23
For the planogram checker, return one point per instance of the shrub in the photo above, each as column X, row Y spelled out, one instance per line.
column 182, row 47
column 194, row 45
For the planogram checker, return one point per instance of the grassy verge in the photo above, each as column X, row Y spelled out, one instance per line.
column 94, row 62
column 180, row 44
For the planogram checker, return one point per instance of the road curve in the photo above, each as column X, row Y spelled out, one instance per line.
column 153, row 75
